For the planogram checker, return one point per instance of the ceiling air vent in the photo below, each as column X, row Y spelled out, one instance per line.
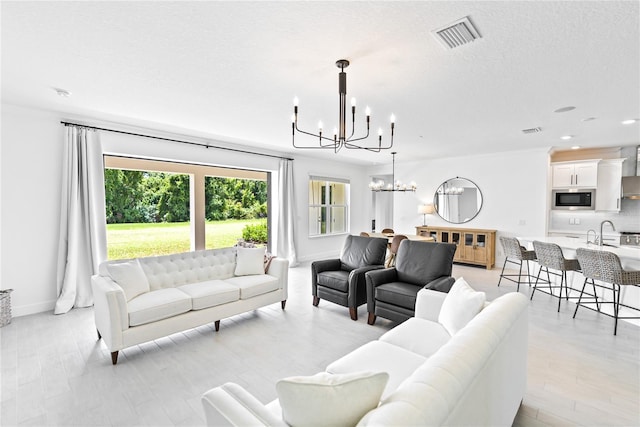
column 532, row 130
column 457, row 33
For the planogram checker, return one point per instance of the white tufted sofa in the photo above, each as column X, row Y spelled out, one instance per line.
column 181, row 291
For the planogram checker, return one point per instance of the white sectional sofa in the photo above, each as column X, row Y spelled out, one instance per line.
column 142, row 299
column 442, row 370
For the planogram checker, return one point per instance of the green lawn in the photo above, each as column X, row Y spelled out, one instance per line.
column 137, row 240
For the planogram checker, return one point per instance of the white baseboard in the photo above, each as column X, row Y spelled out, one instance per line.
column 315, row 257
column 25, row 310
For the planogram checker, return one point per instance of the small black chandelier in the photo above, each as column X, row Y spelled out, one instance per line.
column 340, row 139
column 393, row 185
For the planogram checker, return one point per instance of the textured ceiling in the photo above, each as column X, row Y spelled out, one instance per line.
column 229, row 70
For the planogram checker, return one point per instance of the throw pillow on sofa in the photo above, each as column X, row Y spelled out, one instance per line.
column 249, row 261
column 328, row 399
column 460, row 305
column 131, row 278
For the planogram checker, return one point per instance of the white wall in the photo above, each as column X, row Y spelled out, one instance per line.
column 311, row 248
column 513, row 186
column 31, row 161
column 30, row 191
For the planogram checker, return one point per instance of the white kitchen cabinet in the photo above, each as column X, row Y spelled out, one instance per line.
column 582, row 174
column 609, row 189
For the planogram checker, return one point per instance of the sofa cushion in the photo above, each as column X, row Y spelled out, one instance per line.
column 460, row 305
column 328, row 399
column 157, row 305
column 249, row 261
column 398, row 293
column 337, row 279
column 130, row 276
column 379, row 356
column 420, row 336
column 250, row 286
column 210, row 293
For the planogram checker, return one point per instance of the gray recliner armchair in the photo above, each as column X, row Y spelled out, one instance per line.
column 391, row 293
column 342, row 280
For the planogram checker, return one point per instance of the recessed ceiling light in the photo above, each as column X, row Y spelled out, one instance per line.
column 629, row 122
column 575, row 147
column 588, row 119
column 62, row 92
column 565, row 137
column 564, row 109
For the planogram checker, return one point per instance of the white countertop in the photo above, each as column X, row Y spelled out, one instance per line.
column 629, row 255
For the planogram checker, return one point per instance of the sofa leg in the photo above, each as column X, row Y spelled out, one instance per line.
column 99, row 336
column 217, row 323
column 353, row 312
column 372, row 319
column 283, row 303
column 114, row 357
column 316, row 301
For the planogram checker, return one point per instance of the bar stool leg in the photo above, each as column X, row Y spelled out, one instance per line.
column 595, row 295
column 560, row 294
column 519, row 277
column 549, row 282
column 535, row 285
column 580, row 298
column 616, row 307
column 502, row 273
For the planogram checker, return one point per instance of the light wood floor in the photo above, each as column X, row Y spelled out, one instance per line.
column 55, row 372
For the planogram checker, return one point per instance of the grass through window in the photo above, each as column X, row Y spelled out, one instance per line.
column 147, row 239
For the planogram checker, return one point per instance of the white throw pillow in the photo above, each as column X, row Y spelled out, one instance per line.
column 328, row 399
column 249, row 261
column 130, row 276
column 460, row 305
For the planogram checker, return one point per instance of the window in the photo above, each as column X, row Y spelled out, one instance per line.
column 159, row 207
column 328, row 206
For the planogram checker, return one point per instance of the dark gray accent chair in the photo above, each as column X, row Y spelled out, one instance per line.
column 341, row 280
column 391, row 293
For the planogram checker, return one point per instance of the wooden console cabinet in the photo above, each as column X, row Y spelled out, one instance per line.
column 475, row 245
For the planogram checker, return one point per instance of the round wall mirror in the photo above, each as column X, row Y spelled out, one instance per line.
column 458, row 200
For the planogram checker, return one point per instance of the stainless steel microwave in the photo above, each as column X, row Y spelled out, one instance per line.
column 574, row 199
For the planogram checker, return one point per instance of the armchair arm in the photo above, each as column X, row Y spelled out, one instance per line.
column 237, row 406
column 110, row 311
column 319, row 267
column 429, row 303
column 357, row 282
column 376, row 278
column 442, row 284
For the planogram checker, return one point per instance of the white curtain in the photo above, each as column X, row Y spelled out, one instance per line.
column 286, row 218
column 83, row 243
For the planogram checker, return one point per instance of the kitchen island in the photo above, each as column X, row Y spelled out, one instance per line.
column 629, row 255
column 629, row 258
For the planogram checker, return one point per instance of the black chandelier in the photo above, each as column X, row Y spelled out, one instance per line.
column 340, row 138
column 393, row 185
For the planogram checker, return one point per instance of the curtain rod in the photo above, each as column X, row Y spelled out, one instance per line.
column 176, row 140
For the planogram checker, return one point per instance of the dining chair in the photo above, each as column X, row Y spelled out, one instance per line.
column 393, row 250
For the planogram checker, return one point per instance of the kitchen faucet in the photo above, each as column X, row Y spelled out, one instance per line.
column 602, row 225
column 595, row 236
